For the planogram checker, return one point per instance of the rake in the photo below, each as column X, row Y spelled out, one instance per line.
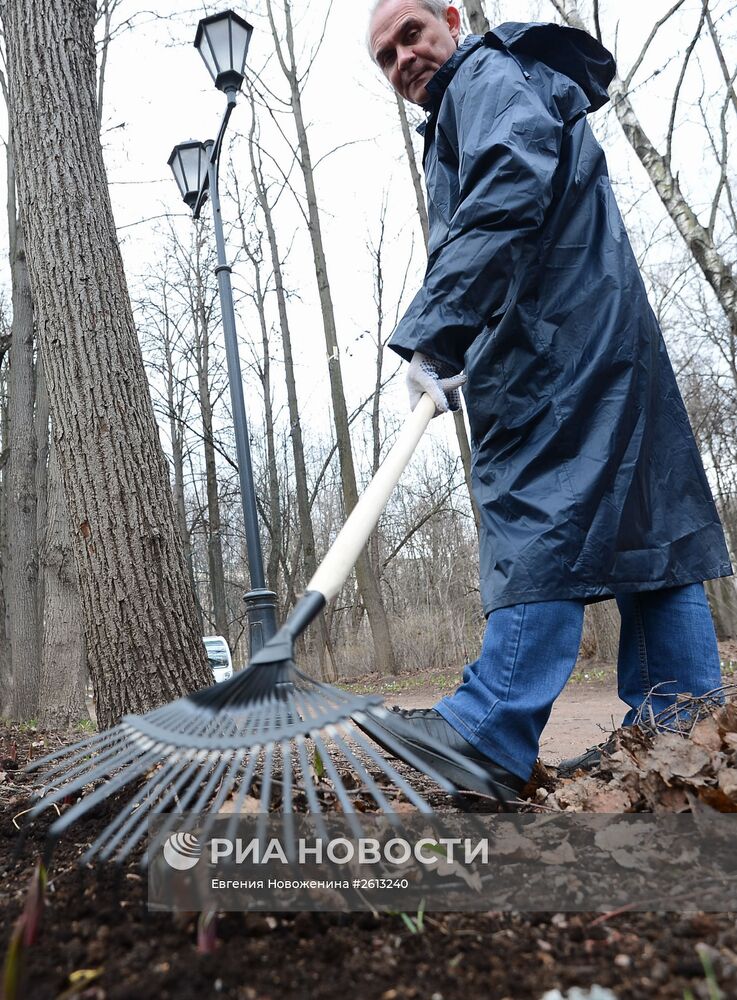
column 211, row 750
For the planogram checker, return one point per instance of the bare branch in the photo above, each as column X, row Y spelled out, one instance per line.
column 643, row 52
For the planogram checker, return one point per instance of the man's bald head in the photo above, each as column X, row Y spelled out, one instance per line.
column 436, row 7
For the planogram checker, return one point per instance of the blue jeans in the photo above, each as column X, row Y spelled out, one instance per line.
column 667, row 642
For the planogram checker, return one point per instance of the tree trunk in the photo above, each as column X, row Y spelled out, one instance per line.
column 460, row 425
column 328, row 670
column 714, row 266
column 64, row 663
column 214, row 537
column 367, row 583
column 605, row 622
column 272, row 566
column 174, row 405
column 476, row 17
column 41, row 424
column 723, row 603
column 22, row 577
column 6, row 667
column 143, row 643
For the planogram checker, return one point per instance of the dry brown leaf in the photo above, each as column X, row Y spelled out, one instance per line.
column 251, row 805
column 706, row 734
column 727, row 779
column 671, row 800
column 673, row 756
column 726, row 718
column 717, row 799
column 608, row 800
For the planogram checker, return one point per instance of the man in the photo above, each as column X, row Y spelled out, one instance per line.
column 586, row 475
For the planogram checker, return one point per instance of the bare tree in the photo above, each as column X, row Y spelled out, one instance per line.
column 367, row 582
column 139, row 613
column 307, row 535
column 460, row 425
column 699, row 239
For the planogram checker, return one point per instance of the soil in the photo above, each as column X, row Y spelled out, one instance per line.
column 98, row 922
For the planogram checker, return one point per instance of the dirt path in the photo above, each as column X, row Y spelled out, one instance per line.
column 581, row 717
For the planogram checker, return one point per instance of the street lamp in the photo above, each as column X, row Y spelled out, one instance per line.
column 222, row 41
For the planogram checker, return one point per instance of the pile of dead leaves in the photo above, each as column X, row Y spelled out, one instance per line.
column 648, row 770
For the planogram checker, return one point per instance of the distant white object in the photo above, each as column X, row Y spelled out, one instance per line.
column 595, row 992
column 218, row 655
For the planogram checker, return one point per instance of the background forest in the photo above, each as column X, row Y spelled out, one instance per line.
column 326, row 229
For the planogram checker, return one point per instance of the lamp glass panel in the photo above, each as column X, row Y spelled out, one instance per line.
column 192, row 160
column 204, row 51
column 241, row 38
column 218, row 35
column 178, row 171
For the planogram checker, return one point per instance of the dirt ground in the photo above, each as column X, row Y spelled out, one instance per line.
column 98, row 941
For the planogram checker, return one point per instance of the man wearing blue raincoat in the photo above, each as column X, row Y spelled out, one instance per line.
column 586, row 474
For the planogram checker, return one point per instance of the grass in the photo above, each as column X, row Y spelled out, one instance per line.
column 729, row 668
column 437, row 680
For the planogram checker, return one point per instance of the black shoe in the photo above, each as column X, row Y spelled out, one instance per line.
column 425, row 734
column 589, row 760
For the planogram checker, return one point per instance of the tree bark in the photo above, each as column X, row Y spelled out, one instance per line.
column 328, row 670
column 201, row 320
column 64, row 662
column 476, row 17
column 176, row 433
column 6, row 666
column 460, row 425
column 722, row 596
column 143, row 643
column 367, row 583
column 22, row 576
column 41, row 423
column 605, row 623
column 714, row 266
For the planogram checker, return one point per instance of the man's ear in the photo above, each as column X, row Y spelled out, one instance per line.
column 454, row 22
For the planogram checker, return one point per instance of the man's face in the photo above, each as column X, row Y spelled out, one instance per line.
column 410, row 45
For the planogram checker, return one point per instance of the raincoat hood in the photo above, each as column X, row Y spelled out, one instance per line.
column 569, row 51
column 566, row 50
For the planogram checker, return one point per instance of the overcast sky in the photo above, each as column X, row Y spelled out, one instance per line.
column 159, row 93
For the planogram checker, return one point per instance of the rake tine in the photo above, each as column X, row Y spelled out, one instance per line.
column 363, row 774
column 81, row 758
column 128, row 762
column 170, row 823
column 340, row 791
column 246, row 767
column 404, row 787
column 309, row 788
column 245, row 778
column 197, row 764
column 80, row 745
column 100, row 794
column 288, row 821
column 146, row 797
column 265, row 798
column 114, row 756
column 246, row 782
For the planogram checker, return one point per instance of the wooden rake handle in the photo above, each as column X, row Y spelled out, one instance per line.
column 340, row 559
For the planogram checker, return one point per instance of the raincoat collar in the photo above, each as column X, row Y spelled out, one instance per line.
column 437, row 86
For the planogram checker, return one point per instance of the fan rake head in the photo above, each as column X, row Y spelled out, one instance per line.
column 221, row 750
column 230, row 746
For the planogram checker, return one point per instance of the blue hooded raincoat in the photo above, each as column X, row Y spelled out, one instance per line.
column 586, row 474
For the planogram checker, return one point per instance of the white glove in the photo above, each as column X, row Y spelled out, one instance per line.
column 437, row 379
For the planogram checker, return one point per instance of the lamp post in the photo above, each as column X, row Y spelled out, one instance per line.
column 222, row 41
